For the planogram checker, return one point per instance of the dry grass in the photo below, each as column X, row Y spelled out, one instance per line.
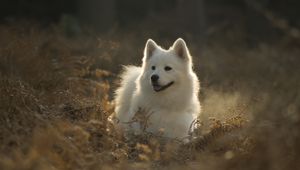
column 56, row 93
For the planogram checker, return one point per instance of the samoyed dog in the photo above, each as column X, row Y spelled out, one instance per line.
column 161, row 96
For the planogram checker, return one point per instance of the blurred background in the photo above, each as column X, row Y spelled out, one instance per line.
column 59, row 67
column 199, row 19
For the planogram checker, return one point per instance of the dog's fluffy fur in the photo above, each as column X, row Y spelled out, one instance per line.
column 170, row 103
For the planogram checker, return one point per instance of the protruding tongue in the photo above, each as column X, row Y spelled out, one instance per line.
column 156, row 87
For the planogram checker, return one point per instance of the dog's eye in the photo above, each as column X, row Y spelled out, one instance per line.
column 153, row 67
column 167, row 68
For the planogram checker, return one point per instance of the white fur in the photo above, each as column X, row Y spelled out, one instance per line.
column 171, row 110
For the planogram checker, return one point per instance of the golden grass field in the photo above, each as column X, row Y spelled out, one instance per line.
column 56, row 93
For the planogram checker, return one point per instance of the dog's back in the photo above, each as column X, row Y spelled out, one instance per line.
column 125, row 92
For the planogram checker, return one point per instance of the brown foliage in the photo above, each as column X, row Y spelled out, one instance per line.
column 56, row 97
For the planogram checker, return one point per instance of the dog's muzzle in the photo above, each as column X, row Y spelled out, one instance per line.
column 157, row 87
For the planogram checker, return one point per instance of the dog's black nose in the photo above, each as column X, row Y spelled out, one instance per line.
column 154, row 77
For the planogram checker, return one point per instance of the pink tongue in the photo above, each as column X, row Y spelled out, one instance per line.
column 156, row 87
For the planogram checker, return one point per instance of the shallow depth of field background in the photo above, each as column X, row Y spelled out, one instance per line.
column 59, row 66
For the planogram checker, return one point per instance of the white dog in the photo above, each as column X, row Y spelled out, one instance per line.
column 164, row 91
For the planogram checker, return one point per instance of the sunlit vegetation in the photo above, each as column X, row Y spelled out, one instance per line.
column 56, row 94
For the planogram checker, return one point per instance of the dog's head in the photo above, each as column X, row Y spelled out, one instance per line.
column 166, row 68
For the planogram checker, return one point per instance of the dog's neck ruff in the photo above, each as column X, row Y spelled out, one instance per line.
column 159, row 88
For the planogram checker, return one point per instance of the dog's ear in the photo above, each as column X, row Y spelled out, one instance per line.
column 181, row 49
column 149, row 48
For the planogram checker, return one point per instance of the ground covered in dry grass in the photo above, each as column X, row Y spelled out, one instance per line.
column 56, row 95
